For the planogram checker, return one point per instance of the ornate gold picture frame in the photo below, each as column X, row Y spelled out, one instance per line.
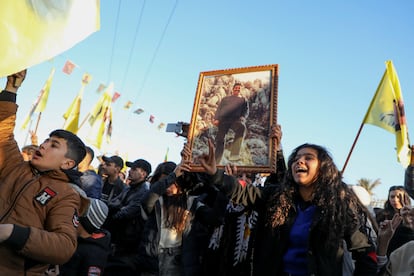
column 236, row 109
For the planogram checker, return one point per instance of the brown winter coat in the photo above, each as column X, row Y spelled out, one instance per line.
column 43, row 208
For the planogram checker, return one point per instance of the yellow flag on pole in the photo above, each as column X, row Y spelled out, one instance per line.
column 33, row 31
column 45, row 95
column 40, row 103
column 387, row 111
column 71, row 115
column 101, row 119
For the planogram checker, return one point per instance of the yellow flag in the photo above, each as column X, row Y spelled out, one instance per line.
column 33, row 31
column 45, row 95
column 387, row 111
column 101, row 119
column 71, row 115
column 41, row 100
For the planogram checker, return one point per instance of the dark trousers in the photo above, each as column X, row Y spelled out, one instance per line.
column 239, row 129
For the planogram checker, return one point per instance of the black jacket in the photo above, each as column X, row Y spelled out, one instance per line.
column 271, row 243
column 409, row 180
column 124, row 219
column 195, row 236
column 90, row 257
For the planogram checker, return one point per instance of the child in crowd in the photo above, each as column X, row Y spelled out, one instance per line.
column 39, row 209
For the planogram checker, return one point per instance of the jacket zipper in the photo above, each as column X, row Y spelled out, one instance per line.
column 16, row 198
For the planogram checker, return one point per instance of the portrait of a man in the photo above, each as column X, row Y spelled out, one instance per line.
column 235, row 108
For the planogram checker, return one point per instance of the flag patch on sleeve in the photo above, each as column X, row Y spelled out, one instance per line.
column 45, row 196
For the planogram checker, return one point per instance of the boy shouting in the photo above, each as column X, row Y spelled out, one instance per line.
column 38, row 208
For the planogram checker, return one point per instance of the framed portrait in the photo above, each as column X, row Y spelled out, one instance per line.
column 236, row 108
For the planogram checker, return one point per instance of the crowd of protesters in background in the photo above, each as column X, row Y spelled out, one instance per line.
column 69, row 218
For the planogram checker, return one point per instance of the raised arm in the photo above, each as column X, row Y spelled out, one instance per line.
column 228, row 184
column 9, row 150
column 159, row 188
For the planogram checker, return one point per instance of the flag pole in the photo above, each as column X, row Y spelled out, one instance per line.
column 28, row 133
column 352, row 148
column 84, row 120
column 37, row 123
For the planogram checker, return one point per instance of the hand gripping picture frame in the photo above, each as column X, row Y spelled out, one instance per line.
column 236, row 109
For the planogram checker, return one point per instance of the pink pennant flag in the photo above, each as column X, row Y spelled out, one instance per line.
column 115, row 96
column 151, row 119
column 68, row 67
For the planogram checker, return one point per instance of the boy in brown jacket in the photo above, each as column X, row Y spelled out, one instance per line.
column 38, row 208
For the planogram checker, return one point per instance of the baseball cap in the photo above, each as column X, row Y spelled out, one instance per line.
column 114, row 159
column 140, row 163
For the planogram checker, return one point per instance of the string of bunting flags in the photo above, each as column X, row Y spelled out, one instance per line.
column 100, row 116
column 68, row 68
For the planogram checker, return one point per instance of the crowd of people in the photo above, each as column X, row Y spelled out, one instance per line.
column 60, row 216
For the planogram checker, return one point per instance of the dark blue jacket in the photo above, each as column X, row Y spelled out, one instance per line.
column 124, row 219
column 91, row 183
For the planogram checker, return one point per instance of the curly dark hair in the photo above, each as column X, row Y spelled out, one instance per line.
column 341, row 209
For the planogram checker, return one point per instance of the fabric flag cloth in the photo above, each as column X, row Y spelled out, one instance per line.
column 139, row 111
column 86, row 78
column 40, row 103
column 115, row 96
column 101, row 119
column 100, row 88
column 68, row 67
column 71, row 115
column 160, row 126
column 387, row 111
column 128, row 105
column 34, row 31
column 151, row 119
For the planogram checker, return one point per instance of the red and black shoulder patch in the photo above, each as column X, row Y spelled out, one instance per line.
column 45, row 196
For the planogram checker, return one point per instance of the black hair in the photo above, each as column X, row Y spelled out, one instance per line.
column 163, row 168
column 189, row 182
column 341, row 207
column 90, row 151
column 76, row 148
column 405, row 200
